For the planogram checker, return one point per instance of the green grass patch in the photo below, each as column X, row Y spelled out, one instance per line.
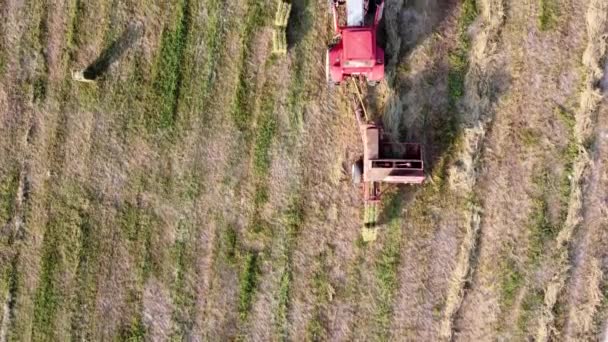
column 248, row 283
column 294, row 219
column 511, row 282
column 9, row 185
column 547, row 18
column 184, row 296
column 162, row 113
column 541, row 229
column 458, row 58
column 302, row 65
column 283, row 306
column 317, row 329
column 48, row 295
column 138, row 225
column 531, row 304
column 602, row 312
column 60, row 254
column 566, row 118
column 229, row 240
column 298, row 94
column 12, row 280
column 214, row 35
column 135, row 331
column 131, row 102
column 530, row 137
column 84, row 303
column 569, row 154
column 34, row 44
column 76, row 15
column 264, row 137
column 3, row 51
column 2, row 61
column 261, row 155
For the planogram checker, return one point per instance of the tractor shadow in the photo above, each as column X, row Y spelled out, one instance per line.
column 419, row 105
column 401, row 30
column 299, row 23
column 114, row 52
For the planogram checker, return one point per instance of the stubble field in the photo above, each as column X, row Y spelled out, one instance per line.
column 198, row 190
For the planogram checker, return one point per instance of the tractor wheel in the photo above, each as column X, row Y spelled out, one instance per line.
column 357, row 172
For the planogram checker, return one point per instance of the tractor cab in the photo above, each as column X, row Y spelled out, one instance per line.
column 355, row 51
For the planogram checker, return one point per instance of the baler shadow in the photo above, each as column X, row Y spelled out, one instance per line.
column 421, row 105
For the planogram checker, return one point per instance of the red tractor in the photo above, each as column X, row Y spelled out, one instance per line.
column 354, row 51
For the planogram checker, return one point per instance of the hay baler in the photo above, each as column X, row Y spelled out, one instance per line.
column 383, row 163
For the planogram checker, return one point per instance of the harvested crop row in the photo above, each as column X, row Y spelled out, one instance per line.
column 596, row 27
column 522, row 235
column 484, row 62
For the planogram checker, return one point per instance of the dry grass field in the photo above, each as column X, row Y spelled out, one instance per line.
column 198, row 191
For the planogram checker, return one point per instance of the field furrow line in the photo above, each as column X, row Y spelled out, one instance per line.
column 584, row 297
column 483, row 63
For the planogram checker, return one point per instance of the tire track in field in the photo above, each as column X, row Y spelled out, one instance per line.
column 596, row 27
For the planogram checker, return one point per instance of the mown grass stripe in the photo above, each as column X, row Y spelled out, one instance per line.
column 34, row 44
column 3, row 49
column 317, row 328
column 262, row 138
column 387, row 265
column 215, row 33
column 86, row 282
column 9, row 185
column 184, row 296
column 304, row 46
column 60, row 250
column 138, row 224
column 548, row 12
column 261, row 167
column 162, row 114
column 257, row 16
column 248, row 283
column 293, row 221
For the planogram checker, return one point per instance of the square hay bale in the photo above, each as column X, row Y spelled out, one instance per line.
column 282, row 15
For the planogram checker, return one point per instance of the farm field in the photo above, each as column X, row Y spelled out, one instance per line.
column 200, row 188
